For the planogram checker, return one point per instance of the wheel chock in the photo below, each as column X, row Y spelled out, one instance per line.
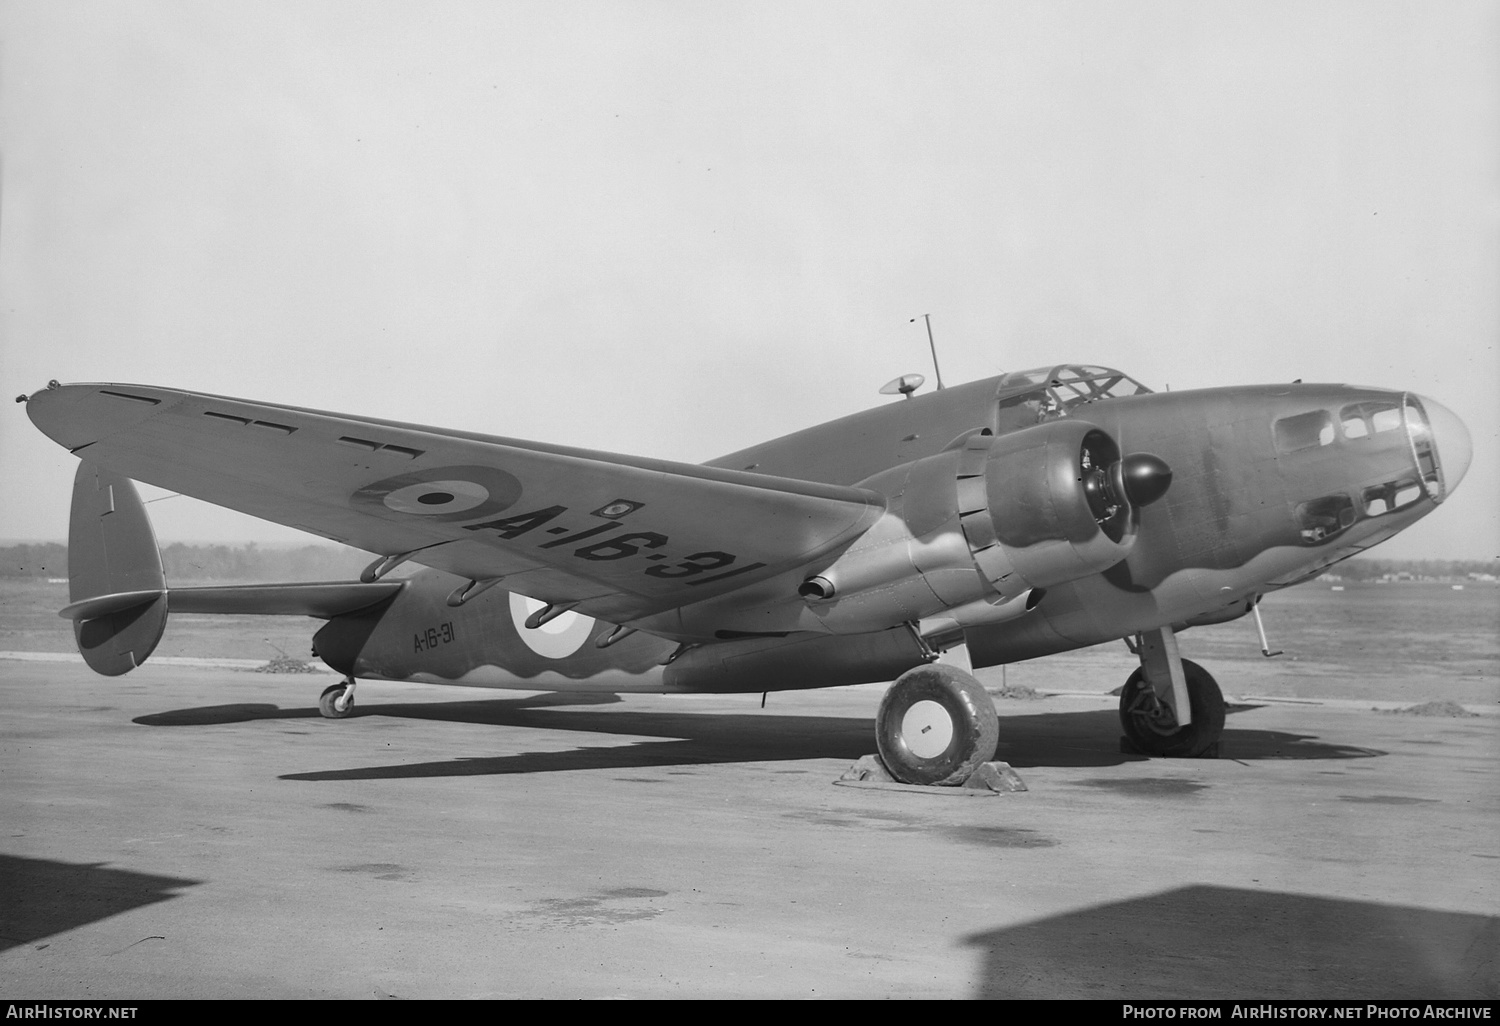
column 869, row 768
column 995, row 776
column 991, row 778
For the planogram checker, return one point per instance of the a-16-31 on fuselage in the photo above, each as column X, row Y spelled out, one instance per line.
column 1000, row 520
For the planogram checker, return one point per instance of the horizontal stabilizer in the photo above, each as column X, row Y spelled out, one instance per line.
column 107, row 605
column 324, row 601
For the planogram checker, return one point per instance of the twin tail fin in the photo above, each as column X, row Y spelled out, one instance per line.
column 117, row 591
column 116, row 588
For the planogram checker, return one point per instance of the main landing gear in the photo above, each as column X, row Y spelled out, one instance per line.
column 1153, row 697
column 936, row 725
column 337, row 701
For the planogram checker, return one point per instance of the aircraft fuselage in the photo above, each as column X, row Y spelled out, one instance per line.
column 1269, row 485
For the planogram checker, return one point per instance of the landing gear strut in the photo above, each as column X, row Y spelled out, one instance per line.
column 337, row 700
column 936, row 725
column 1153, row 696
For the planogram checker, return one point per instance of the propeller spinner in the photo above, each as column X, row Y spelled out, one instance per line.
column 1139, row 479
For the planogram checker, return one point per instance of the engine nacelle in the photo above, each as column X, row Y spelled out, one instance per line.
column 989, row 520
column 1058, row 503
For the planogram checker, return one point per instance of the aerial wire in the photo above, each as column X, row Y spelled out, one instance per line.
column 927, row 318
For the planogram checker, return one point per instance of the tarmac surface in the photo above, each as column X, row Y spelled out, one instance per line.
column 192, row 831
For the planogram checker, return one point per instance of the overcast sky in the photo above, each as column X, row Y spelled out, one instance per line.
column 675, row 229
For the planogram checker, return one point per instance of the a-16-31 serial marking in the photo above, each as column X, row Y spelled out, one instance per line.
column 620, row 546
column 432, row 637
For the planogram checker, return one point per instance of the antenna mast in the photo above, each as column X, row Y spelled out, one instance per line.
column 933, row 346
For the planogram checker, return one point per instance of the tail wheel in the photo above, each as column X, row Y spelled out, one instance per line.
column 333, row 704
column 1152, row 726
column 936, row 725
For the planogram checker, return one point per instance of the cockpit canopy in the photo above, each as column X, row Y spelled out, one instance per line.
column 1030, row 396
column 1068, row 384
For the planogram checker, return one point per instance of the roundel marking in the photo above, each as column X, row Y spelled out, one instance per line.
column 433, row 497
column 557, row 638
column 442, row 494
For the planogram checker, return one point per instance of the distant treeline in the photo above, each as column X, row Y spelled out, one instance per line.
column 1366, row 569
column 334, row 563
column 207, row 562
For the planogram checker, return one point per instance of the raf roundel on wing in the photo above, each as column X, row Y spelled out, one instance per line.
column 441, row 493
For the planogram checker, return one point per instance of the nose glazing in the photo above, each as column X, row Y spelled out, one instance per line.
column 1455, row 449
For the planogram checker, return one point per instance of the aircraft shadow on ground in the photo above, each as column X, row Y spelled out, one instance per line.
column 242, row 712
column 1093, row 738
column 1071, row 739
column 41, row 897
column 1204, row 942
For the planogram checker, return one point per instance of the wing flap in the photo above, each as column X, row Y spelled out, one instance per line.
column 620, row 536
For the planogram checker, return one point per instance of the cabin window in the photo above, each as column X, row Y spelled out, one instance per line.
column 1391, row 496
column 1321, row 519
column 1364, row 419
column 1304, row 431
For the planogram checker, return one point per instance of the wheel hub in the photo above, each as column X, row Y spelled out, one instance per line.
column 1154, row 714
column 927, row 729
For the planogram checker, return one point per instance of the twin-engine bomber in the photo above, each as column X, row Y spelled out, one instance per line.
column 1009, row 518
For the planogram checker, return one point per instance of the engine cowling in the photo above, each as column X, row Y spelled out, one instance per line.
column 1054, row 503
column 987, row 521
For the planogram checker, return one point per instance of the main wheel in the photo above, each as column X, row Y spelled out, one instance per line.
column 1152, row 726
column 328, row 702
column 936, row 725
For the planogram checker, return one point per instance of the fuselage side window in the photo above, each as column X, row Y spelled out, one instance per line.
column 1304, row 431
column 1319, row 520
column 1391, row 496
column 1362, row 420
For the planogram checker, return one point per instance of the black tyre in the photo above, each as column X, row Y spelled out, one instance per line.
column 936, row 725
column 1151, row 725
column 327, row 702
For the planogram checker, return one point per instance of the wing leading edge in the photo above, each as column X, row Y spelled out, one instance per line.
column 617, row 537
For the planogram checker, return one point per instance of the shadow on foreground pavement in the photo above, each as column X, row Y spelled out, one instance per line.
column 41, row 897
column 1228, row 943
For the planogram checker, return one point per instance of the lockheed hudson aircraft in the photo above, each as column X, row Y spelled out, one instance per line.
column 1018, row 516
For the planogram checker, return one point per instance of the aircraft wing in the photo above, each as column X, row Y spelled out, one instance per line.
column 621, row 537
